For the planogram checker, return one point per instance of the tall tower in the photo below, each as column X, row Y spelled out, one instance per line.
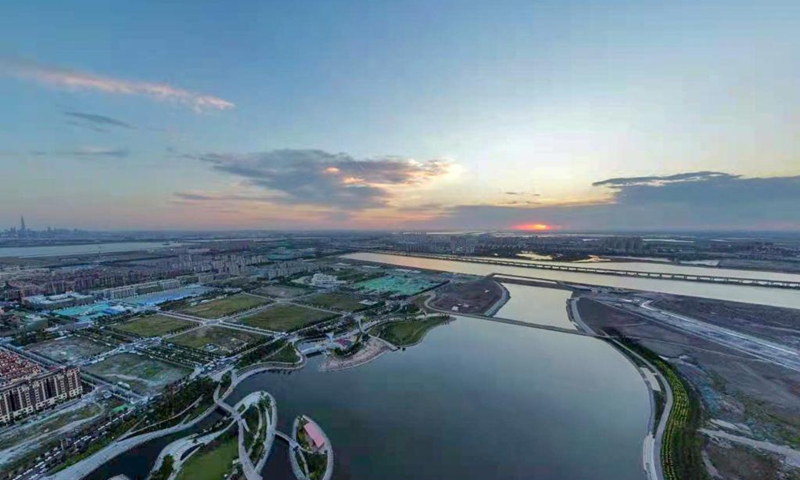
column 22, row 230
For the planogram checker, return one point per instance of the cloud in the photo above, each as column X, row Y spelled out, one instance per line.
column 98, row 121
column 91, row 151
column 316, row 177
column 215, row 197
column 687, row 201
column 68, row 79
column 662, row 180
column 522, row 193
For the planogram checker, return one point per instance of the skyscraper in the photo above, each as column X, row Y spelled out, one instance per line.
column 22, row 230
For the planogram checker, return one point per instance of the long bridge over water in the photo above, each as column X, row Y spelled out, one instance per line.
column 754, row 282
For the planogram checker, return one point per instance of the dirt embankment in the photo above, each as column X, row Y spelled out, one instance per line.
column 470, row 297
column 740, row 395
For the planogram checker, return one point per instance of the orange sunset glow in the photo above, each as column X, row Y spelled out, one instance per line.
column 535, row 227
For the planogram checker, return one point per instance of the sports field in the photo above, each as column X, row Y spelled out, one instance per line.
column 216, row 339
column 145, row 375
column 285, row 318
column 225, row 306
column 154, row 325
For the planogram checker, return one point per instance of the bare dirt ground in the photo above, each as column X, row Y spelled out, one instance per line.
column 470, row 297
column 781, row 325
column 741, row 395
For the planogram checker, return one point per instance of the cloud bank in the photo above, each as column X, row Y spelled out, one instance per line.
column 319, row 178
column 686, row 201
column 63, row 78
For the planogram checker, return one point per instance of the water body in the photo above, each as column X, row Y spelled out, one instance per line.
column 543, row 306
column 475, row 400
column 740, row 293
column 687, row 268
column 63, row 250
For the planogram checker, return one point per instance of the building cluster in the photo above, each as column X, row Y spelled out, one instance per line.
column 15, row 367
column 55, row 302
column 38, row 393
column 437, row 243
column 287, row 269
column 323, row 280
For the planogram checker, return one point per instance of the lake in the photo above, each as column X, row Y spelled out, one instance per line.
column 475, row 400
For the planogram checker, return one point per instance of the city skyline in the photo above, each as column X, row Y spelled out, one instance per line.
column 359, row 115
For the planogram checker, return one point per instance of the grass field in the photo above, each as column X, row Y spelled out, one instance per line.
column 216, row 339
column 224, row 306
column 281, row 291
column 335, row 301
column 144, row 375
column 153, row 325
column 69, row 349
column 408, row 332
column 213, row 463
column 284, row 318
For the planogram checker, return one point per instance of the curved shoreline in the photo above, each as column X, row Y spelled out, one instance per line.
column 500, row 303
column 298, row 472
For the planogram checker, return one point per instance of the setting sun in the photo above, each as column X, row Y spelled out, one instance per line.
column 539, row 227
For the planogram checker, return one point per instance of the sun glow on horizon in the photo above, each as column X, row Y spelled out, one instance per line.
column 534, row 227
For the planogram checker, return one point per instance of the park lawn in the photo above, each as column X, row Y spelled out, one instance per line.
column 226, row 339
column 211, row 464
column 335, row 301
column 285, row 318
column 154, row 325
column 287, row 354
column 225, row 306
column 408, row 332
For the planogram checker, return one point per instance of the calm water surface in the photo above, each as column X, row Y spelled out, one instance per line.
column 543, row 306
column 475, row 400
column 761, row 295
column 58, row 250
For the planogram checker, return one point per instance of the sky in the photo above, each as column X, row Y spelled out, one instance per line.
column 567, row 115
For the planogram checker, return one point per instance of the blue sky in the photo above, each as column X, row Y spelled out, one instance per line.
column 399, row 114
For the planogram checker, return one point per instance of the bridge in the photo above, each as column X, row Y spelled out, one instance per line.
column 754, row 282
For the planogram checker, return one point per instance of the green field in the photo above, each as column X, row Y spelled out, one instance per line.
column 408, row 332
column 284, row 318
column 335, row 301
column 211, row 463
column 225, row 306
column 69, row 349
column 153, row 326
column 216, row 339
column 144, row 375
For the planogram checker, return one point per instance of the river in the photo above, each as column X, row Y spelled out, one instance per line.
column 62, row 250
column 740, row 293
column 475, row 400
